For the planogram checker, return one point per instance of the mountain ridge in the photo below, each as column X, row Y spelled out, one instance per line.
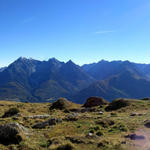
column 37, row 81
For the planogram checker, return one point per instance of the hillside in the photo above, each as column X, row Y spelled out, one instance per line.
column 28, row 126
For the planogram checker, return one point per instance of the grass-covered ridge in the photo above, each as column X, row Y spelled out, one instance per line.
column 77, row 127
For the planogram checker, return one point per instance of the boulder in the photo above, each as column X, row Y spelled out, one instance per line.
column 20, row 128
column 147, row 124
column 135, row 137
column 117, row 104
column 40, row 125
column 72, row 117
column 10, row 134
column 61, row 104
column 11, row 112
column 95, row 101
column 50, row 122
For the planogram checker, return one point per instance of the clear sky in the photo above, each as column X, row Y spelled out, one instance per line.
column 85, row 31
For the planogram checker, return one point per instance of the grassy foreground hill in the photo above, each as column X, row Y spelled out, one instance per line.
column 121, row 125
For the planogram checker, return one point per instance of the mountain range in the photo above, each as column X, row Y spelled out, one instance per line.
column 38, row 81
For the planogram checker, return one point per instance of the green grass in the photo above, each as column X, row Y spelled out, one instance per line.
column 105, row 136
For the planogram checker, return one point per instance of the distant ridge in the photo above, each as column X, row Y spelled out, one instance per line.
column 37, row 81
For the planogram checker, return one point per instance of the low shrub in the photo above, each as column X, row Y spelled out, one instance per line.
column 11, row 112
column 65, row 147
column 117, row 104
column 120, row 127
column 105, row 122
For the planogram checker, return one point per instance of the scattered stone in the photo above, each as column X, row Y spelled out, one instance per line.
column 18, row 115
column 135, row 137
column 103, row 144
column 65, row 147
column 37, row 117
column 101, row 113
column 76, row 110
column 140, row 114
column 61, row 103
column 88, row 110
column 50, row 122
column 123, row 142
column 90, row 134
column 55, row 141
column 147, row 124
column 66, row 111
column 95, row 101
column 11, row 112
column 40, row 125
column 99, row 133
column 72, row 117
column 76, row 140
column 9, row 134
column 113, row 114
column 20, row 128
column 105, row 122
column 133, row 114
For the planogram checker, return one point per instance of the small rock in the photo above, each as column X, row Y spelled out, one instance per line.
column 40, row 125
column 135, row 137
column 133, row 114
column 147, row 124
column 76, row 140
column 72, row 117
column 123, row 142
column 75, row 110
column 50, row 122
column 37, row 117
column 66, row 111
column 101, row 113
column 88, row 110
column 90, row 134
column 99, row 133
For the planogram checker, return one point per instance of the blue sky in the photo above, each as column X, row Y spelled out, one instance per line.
column 85, row 31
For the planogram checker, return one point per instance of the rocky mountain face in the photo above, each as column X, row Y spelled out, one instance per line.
column 33, row 80
column 116, row 79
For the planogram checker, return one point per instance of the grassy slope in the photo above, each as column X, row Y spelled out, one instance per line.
column 112, row 138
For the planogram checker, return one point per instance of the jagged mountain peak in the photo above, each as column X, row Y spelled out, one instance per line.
column 29, row 79
column 53, row 59
column 70, row 62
